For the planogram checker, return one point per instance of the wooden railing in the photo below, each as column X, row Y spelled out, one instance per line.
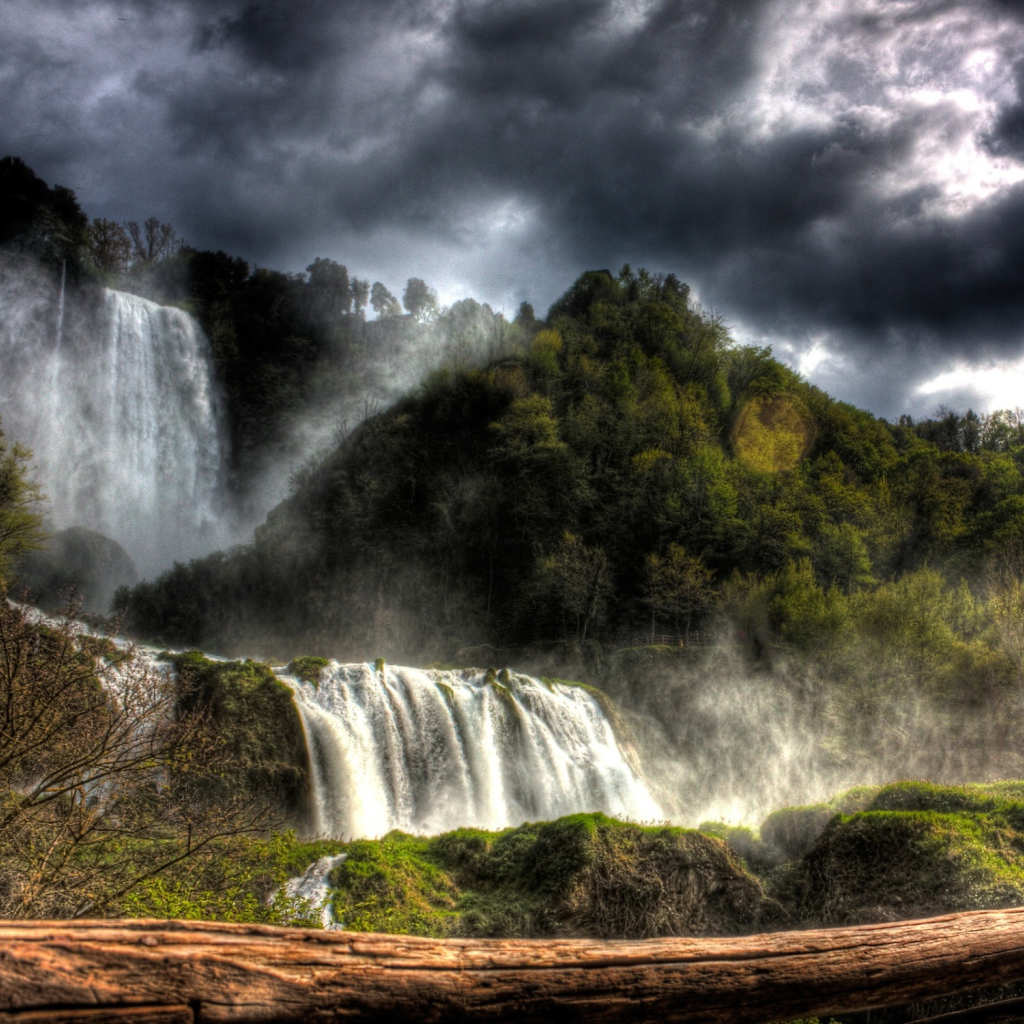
column 181, row 971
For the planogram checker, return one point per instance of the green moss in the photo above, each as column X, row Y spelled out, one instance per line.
column 852, row 800
column 908, row 849
column 392, row 885
column 885, row 865
column 926, row 796
column 504, row 694
column 254, row 715
column 308, row 669
column 586, row 874
column 792, row 831
column 103, row 647
column 1011, row 791
column 758, row 855
column 809, row 1020
column 552, row 681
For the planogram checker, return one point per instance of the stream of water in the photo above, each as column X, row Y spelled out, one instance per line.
column 427, row 751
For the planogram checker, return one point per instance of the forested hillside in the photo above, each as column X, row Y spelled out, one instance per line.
column 628, row 472
column 784, row 595
column 617, row 492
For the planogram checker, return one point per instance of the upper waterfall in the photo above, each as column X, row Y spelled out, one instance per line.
column 429, row 751
column 121, row 413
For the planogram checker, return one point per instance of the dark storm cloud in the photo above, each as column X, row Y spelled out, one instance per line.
column 847, row 169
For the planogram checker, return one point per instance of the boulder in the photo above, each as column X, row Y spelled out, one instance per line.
column 76, row 563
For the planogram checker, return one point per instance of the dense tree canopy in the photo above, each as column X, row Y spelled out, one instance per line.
column 610, row 479
column 47, row 222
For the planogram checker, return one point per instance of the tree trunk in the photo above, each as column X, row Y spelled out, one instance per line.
column 180, row 971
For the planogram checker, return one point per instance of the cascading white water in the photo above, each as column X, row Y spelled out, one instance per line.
column 122, row 417
column 429, row 751
column 310, row 891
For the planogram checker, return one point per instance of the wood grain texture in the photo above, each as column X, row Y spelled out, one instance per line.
column 106, row 1015
column 232, row 972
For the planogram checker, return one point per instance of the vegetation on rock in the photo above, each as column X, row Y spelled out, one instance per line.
column 234, row 879
column 107, row 783
column 582, row 875
column 253, row 715
column 871, row 854
column 308, row 669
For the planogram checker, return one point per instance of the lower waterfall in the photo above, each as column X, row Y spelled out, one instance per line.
column 428, row 751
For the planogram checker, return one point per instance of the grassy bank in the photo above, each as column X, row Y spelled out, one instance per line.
column 910, row 849
column 582, row 875
column 240, row 878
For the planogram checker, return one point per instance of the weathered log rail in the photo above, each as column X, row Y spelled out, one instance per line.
column 173, row 972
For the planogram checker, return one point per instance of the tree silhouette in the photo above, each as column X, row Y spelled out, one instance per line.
column 418, row 299
column 110, row 248
column 383, row 302
column 153, row 241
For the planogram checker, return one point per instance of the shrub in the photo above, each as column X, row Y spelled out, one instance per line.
column 887, row 865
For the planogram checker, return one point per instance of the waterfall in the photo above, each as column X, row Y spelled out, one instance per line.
column 310, row 891
column 60, row 304
column 122, row 418
column 430, row 751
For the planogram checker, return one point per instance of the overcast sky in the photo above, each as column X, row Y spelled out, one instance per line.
column 841, row 179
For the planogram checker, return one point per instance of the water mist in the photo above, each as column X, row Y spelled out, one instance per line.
column 117, row 400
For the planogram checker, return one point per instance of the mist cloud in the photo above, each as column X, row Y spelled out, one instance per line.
column 833, row 172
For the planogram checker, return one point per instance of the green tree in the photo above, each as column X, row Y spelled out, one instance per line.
column 153, row 241
column 1006, row 607
column 418, row 299
column 360, row 293
column 677, row 585
column 525, row 316
column 842, row 557
column 383, row 302
column 909, row 628
column 579, row 580
column 20, row 504
column 330, row 287
column 805, row 615
column 45, row 221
